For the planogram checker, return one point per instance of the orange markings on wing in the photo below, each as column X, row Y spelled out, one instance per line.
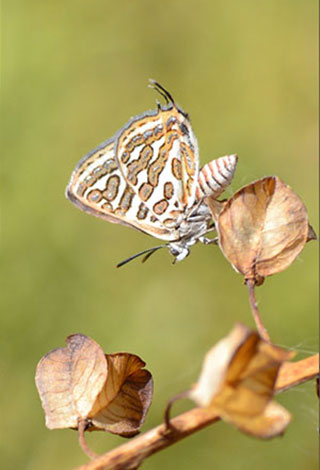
column 145, row 191
column 176, row 168
column 168, row 190
column 160, row 207
column 112, row 188
column 141, row 163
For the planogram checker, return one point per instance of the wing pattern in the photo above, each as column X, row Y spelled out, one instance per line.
column 147, row 177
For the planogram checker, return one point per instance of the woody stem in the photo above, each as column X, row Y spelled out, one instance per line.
column 131, row 454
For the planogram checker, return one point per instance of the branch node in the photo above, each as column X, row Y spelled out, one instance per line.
column 168, row 425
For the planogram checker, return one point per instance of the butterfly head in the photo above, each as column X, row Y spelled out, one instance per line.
column 179, row 251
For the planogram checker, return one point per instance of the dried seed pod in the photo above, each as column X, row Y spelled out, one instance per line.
column 262, row 228
column 80, row 383
column 238, row 379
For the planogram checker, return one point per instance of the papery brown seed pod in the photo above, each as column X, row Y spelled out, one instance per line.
column 80, row 383
column 262, row 228
column 238, row 379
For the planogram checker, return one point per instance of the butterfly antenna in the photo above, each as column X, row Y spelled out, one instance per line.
column 162, row 91
column 156, row 248
column 148, row 253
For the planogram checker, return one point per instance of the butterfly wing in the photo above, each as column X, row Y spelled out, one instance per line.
column 215, row 176
column 98, row 187
column 157, row 154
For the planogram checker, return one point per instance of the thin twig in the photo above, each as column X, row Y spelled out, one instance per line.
column 82, row 424
column 130, row 455
column 256, row 315
column 167, row 420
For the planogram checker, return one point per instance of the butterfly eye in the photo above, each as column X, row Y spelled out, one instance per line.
column 174, row 252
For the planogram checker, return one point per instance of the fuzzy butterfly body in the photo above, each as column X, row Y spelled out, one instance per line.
column 147, row 177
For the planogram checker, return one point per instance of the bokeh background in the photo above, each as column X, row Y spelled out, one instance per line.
column 73, row 73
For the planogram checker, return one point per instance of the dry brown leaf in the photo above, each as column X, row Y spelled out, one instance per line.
column 69, row 380
column 262, row 228
column 122, row 405
column 216, row 362
column 79, row 382
column 238, row 379
column 270, row 423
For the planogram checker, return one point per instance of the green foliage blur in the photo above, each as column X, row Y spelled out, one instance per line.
column 73, row 73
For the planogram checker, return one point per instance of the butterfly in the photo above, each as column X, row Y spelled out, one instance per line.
column 147, row 177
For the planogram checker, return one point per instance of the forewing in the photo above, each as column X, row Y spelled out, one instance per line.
column 215, row 176
column 157, row 153
column 98, row 187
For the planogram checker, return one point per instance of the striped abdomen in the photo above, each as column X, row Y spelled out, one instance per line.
column 215, row 176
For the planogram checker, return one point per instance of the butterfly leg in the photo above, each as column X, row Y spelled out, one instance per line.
column 208, row 241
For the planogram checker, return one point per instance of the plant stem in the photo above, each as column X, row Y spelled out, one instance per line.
column 130, row 455
column 256, row 315
column 84, row 446
column 167, row 420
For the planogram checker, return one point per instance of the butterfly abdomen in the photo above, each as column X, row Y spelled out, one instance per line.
column 215, row 176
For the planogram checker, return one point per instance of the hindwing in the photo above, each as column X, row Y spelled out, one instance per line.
column 98, row 187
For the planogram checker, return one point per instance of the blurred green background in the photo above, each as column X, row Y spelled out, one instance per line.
column 73, row 73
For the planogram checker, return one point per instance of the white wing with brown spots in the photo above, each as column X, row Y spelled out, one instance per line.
column 98, row 187
column 147, row 177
